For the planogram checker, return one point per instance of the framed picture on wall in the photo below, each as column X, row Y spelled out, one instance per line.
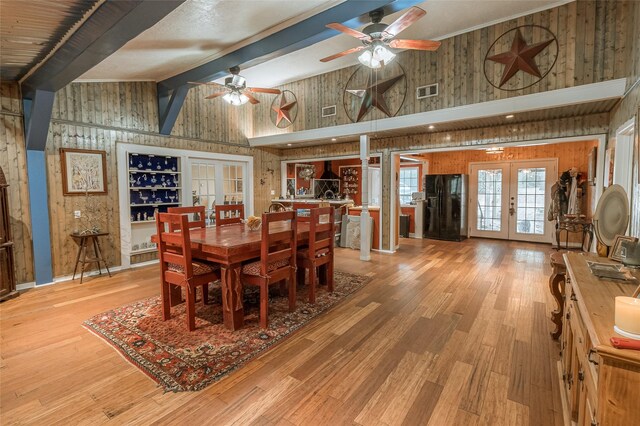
column 83, row 171
column 591, row 166
column 616, row 250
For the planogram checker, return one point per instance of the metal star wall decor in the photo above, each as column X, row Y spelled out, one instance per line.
column 521, row 57
column 284, row 109
column 381, row 92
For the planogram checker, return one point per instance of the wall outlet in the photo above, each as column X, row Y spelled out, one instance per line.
column 273, row 192
column 77, row 214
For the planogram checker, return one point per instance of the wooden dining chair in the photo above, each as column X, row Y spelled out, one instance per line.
column 277, row 207
column 197, row 212
column 178, row 268
column 277, row 261
column 227, row 214
column 319, row 253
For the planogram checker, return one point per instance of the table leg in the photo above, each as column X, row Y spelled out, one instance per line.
column 96, row 253
column 75, row 268
column 556, row 286
column 101, row 258
column 322, row 274
column 84, row 258
column 232, row 309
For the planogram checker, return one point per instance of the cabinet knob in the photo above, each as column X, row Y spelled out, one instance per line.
column 581, row 375
column 568, row 316
column 592, row 351
column 573, row 297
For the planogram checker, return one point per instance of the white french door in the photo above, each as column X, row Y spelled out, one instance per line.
column 509, row 200
column 217, row 182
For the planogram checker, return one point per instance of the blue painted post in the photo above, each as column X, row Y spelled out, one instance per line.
column 39, row 201
column 37, row 113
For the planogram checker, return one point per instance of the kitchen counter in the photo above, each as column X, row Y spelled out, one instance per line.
column 310, row 201
column 374, row 213
column 371, row 208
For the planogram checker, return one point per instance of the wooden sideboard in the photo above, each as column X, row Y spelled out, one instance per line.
column 600, row 384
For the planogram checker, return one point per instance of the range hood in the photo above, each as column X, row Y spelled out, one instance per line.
column 328, row 174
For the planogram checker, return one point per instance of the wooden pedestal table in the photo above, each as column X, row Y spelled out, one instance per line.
column 229, row 246
column 89, row 240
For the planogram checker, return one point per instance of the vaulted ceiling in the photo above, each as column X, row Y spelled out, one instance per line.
column 202, row 30
column 29, row 30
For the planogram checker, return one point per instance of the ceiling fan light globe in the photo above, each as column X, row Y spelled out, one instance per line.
column 366, row 59
column 235, row 98
column 382, row 54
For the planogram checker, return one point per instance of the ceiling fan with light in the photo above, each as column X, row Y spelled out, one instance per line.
column 235, row 90
column 377, row 37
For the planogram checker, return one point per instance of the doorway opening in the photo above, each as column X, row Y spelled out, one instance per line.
column 524, row 171
column 509, row 199
column 338, row 181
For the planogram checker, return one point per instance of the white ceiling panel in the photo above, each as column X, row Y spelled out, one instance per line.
column 202, row 30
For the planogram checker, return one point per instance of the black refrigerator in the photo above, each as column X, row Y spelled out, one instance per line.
column 445, row 207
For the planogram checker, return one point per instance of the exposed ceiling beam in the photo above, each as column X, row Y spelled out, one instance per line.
column 352, row 13
column 109, row 28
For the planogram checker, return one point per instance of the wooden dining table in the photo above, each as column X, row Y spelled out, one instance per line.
column 229, row 246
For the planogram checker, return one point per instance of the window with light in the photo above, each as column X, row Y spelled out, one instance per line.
column 408, row 184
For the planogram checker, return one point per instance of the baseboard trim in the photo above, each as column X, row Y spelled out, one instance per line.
column 25, row 286
column 65, row 278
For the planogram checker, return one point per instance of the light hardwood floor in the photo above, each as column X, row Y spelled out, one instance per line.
column 446, row 333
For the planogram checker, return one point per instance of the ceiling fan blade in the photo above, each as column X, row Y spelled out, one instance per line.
column 210, row 83
column 415, row 44
column 400, row 24
column 263, row 90
column 349, row 31
column 251, row 98
column 215, row 95
column 341, row 54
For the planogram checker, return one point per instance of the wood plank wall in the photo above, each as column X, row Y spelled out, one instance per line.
column 98, row 116
column 570, row 154
column 522, row 132
column 13, row 160
column 595, row 42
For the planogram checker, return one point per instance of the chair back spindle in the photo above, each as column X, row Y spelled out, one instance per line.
column 227, row 214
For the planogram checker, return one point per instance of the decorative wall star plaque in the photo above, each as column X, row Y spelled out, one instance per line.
column 375, row 93
column 533, row 50
column 284, row 109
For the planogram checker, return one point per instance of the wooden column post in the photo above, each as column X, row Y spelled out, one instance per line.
column 365, row 218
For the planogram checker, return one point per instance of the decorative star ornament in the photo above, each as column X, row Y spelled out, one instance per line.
column 373, row 95
column 283, row 110
column 521, row 57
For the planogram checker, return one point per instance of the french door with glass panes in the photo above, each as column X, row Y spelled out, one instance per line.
column 217, row 182
column 509, row 200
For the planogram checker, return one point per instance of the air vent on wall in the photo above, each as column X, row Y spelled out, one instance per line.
column 427, row 91
column 329, row 111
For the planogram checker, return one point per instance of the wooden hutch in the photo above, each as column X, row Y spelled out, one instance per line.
column 7, row 271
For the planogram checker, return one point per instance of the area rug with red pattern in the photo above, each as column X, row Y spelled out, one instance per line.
column 179, row 360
